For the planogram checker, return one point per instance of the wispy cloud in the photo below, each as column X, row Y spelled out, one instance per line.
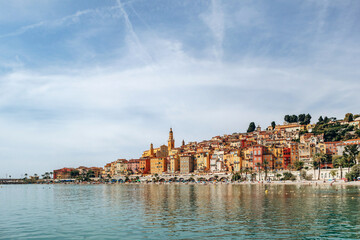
column 70, row 112
column 66, row 20
column 214, row 19
column 145, row 56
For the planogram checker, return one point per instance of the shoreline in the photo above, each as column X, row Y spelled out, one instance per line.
column 298, row 183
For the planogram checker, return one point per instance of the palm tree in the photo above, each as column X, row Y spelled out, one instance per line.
column 253, row 176
column 251, row 170
column 350, row 153
column 26, row 175
column 315, row 164
column 246, row 172
column 258, row 165
column 339, row 161
column 333, row 173
column 265, row 166
column 241, row 172
column 319, row 158
column 298, row 165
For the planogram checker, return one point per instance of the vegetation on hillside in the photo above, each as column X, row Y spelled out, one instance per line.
column 251, row 127
column 301, row 119
column 333, row 131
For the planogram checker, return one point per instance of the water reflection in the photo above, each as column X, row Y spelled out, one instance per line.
column 179, row 211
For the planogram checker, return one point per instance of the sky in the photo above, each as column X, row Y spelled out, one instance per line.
column 88, row 82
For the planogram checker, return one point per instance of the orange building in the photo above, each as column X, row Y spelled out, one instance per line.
column 294, row 156
column 158, row 165
column 144, row 165
column 63, row 173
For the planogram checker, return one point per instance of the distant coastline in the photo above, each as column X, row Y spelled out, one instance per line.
column 294, row 150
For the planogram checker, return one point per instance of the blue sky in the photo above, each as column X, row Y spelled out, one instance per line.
column 87, row 82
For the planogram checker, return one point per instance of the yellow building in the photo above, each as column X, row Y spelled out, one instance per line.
column 247, row 159
column 291, row 127
column 174, row 164
column 202, row 161
column 236, row 160
column 162, row 151
column 107, row 170
column 231, row 158
column 277, row 157
column 322, row 147
column 121, row 167
column 113, row 168
column 158, row 165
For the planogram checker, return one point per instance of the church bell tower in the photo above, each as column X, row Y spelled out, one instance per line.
column 171, row 141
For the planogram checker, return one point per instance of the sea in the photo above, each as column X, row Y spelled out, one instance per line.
column 179, row 211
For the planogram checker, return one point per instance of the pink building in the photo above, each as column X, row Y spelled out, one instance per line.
column 134, row 165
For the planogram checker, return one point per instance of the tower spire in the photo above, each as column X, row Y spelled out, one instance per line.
column 171, row 141
column 151, row 150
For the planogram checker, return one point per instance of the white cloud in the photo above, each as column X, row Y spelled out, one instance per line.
column 214, row 19
column 93, row 113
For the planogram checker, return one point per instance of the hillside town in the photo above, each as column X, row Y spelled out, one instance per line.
column 322, row 150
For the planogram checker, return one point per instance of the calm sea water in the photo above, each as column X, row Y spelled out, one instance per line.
column 178, row 212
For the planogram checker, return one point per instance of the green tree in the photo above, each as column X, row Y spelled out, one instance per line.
column 90, row 174
column 287, row 118
column 350, row 154
column 278, row 175
column 339, row 162
column 74, row 173
column 236, row 177
column 298, row 165
column 326, row 120
column 354, row 173
column 333, row 173
column 357, row 132
column 293, row 118
column 319, row 158
column 251, row 127
column 307, row 119
column 321, row 120
column 253, row 177
column 301, row 118
column 288, row 176
column 246, row 171
column 303, row 174
column 258, row 165
column 47, row 175
column 241, row 172
column 265, row 166
column 273, row 125
column 349, row 117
